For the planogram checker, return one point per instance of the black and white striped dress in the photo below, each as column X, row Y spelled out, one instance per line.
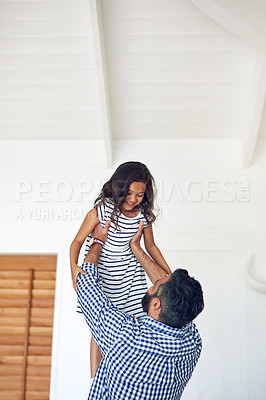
column 121, row 276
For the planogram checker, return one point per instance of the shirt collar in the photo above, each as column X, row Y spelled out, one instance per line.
column 162, row 328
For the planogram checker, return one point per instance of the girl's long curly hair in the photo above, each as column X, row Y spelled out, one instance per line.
column 116, row 189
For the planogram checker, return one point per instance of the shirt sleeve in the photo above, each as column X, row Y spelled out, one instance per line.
column 101, row 213
column 146, row 223
column 103, row 318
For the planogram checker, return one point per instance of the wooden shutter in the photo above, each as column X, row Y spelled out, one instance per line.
column 27, row 287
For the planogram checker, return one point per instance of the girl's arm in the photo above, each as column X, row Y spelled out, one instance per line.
column 153, row 250
column 89, row 223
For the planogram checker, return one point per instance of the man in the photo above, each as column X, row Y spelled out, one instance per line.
column 147, row 359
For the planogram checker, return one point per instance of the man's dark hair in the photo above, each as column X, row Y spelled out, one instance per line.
column 181, row 299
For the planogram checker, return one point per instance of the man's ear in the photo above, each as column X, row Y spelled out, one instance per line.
column 155, row 304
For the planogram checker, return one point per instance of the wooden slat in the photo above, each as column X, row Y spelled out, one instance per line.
column 11, row 360
column 39, row 360
column 40, row 340
column 39, row 350
column 11, row 350
column 7, row 384
column 42, row 294
column 9, row 340
column 46, row 275
column 42, row 312
column 12, row 330
column 14, row 284
column 12, row 370
column 22, row 262
column 44, row 284
column 42, row 303
column 35, row 395
column 23, row 284
column 17, row 274
column 13, row 293
column 19, row 303
column 20, row 330
column 13, row 312
column 41, row 331
column 41, row 321
column 12, row 321
column 38, row 370
column 23, row 275
column 47, row 303
column 10, row 395
column 40, row 383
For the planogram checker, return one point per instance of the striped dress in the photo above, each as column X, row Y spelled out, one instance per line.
column 122, row 278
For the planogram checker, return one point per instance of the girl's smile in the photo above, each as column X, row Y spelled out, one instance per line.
column 135, row 195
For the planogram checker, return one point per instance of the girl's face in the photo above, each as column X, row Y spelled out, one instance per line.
column 135, row 195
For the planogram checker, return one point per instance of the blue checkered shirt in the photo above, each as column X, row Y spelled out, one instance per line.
column 142, row 359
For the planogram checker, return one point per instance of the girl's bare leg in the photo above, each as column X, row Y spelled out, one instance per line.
column 95, row 357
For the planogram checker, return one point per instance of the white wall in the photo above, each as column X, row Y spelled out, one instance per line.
column 213, row 216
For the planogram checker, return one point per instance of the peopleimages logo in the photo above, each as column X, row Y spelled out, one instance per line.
column 48, row 190
column 48, row 199
column 213, row 190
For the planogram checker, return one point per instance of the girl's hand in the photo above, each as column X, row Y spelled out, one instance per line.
column 75, row 270
column 135, row 241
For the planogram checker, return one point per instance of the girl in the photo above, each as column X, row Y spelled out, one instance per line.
column 126, row 199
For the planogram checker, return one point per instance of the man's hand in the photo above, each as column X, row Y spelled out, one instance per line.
column 95, row 250
column 135, row 241
column 100, row 232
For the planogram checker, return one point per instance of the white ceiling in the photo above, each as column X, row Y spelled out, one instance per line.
column 251, row 12
column 138, row 69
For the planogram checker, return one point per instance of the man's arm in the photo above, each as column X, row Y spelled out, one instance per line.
column 103, row 318
column 99, row 233
column 153, row 270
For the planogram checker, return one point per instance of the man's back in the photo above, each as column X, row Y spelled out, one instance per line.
column 148, row 361
column 142, row 359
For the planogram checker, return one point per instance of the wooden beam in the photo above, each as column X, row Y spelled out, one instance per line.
column 252, row 37
column 26, row 336
column 100, row 55
column 232, row 22
column 254, row 112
